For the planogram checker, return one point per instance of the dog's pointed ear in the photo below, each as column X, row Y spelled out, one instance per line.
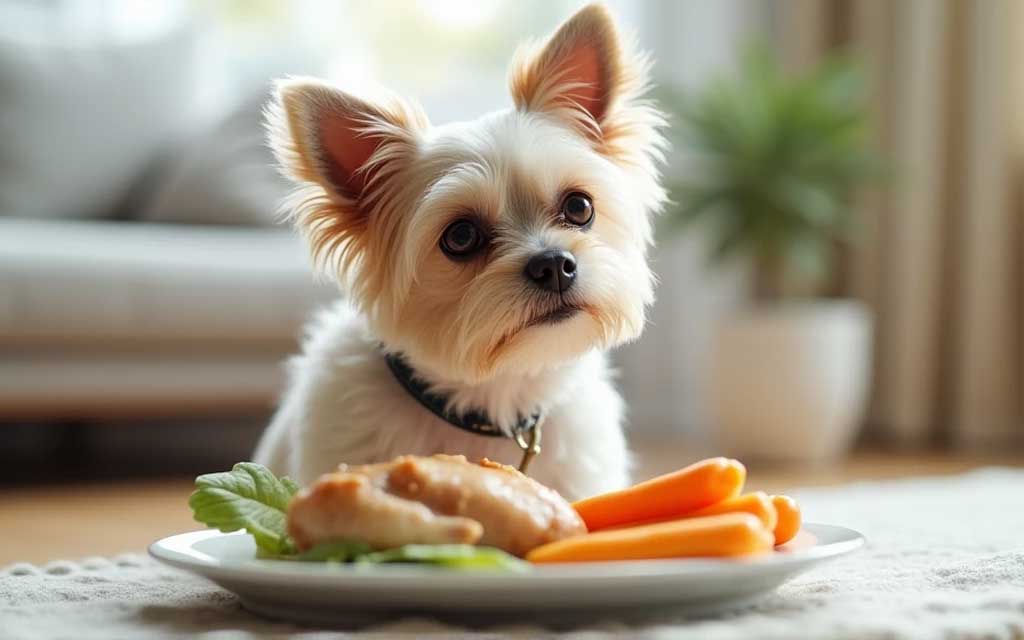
column 579, row 69
column 347, row 145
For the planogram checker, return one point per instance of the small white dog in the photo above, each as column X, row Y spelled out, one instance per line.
column 487, row 266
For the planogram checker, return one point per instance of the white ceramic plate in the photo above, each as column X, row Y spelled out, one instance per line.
column 320, row 593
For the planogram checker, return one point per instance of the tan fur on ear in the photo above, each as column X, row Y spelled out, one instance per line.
column 586, row 75
column 579, row 66
column 342, row 151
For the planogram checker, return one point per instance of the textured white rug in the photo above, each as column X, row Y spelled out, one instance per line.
column 945, row 559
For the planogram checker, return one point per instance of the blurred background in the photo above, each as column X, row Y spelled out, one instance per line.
column 841, row 291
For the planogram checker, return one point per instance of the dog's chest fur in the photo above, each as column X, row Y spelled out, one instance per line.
column 344, row 405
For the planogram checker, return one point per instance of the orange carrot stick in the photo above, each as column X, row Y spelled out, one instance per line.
column 756, row 503
column 697, row 486
column 789, row 518
column 730, row 534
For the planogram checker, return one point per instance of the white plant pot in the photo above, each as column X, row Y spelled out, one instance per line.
column 789, row 383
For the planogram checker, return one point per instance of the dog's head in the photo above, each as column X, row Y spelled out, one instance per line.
column 507, row 244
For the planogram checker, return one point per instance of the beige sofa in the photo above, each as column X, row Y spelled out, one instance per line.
column 141, row 269
column 105, row 319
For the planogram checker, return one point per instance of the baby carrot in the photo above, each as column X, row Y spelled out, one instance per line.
column 789, row 518
column 757, row 503
column 694, row 487
column 730, row 534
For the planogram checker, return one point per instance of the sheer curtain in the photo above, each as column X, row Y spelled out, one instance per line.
column 940, row 260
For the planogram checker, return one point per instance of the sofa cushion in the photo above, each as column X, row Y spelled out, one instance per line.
column 90, row 280
column 85, row 112
column 224, row 174
column 133, row 379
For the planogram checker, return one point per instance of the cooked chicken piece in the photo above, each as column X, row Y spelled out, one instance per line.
column 346, row 506
column 515, row 512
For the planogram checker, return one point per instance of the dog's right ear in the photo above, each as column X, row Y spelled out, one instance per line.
column 348, row 146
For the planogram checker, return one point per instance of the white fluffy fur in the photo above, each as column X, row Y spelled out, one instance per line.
column 343, row 404
column 465, row 326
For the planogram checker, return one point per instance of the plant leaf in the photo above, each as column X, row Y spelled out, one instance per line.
column 774, row 161
column 248, row 497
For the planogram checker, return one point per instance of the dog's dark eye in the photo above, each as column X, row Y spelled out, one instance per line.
column 578, row 209
column 462, row 239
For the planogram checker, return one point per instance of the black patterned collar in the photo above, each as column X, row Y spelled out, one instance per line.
column 474, row 421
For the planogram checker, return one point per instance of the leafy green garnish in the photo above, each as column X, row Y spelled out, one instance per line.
column 457, row 556
column 334, row 551
column 248, row 497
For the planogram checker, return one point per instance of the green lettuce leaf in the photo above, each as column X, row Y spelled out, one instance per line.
column 248, row 497
column 333, row 551
column 455, row 556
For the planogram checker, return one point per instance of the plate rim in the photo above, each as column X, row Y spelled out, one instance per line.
column 178, row 551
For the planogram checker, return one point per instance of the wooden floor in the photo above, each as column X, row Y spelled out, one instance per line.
column 74, row 521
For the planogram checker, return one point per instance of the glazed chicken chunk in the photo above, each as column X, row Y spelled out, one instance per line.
column 432, row 500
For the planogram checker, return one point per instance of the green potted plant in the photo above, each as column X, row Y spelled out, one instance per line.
column 773, row 164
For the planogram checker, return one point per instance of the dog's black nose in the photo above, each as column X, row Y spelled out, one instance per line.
column 552, row 270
